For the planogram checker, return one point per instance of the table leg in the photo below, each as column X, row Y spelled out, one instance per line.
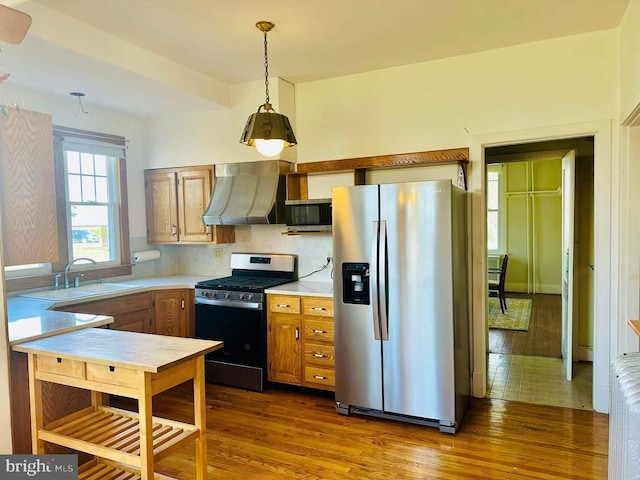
column 200, row 416
column 146, row 427
column 35, row 400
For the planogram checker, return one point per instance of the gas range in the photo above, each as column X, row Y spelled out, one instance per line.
column 252, row 274
column 231, row 309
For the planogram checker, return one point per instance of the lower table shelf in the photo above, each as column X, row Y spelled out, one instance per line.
column 114, row 434
column 105, row 470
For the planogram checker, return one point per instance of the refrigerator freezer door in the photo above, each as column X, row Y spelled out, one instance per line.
column 418, row 356
column 358, row 353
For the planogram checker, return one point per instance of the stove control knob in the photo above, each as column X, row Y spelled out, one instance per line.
column 241, row 296
column 249, row 296
column 227, row 295
column 213, row 294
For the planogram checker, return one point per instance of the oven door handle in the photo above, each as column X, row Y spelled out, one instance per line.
column 228, row 303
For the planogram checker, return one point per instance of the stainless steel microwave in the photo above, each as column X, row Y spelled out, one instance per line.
column 313, row 215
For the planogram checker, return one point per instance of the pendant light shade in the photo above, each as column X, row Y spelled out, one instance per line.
column 268, row 131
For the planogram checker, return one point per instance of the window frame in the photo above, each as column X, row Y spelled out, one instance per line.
column 500, row 170
column 90, row 272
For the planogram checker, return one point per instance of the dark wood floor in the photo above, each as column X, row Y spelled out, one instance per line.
column 289, row 435
column 543, row 339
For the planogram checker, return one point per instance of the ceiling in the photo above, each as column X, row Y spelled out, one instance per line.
column 150, row 57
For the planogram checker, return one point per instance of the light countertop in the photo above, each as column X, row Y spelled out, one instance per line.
column 47, row 323
column 31, row 318
column 150, row 353
column 304, row 288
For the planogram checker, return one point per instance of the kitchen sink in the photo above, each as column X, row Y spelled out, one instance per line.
column 98, row 288
column 81, row 292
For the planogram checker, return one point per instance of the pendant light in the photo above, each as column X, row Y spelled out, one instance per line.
column 268, row 131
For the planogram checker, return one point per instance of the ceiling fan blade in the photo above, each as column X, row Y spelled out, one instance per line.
column 13, row 24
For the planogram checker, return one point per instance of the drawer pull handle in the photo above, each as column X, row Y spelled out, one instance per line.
column 58, row 359
column 283, row 305
column 315, row 330
column 112, row 368
column 319, row 355
column 319, row 377
column 320, row 309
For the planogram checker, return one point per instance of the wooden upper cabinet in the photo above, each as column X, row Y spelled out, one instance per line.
column 175, row 200
column 193, row 198
column 161, row 206
column 27, row 188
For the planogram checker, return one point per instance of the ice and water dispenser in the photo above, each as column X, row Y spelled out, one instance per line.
column 355, row 283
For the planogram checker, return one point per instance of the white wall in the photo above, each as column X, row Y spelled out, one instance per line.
column 629, row 195
column 428, row 106
column 630, row 60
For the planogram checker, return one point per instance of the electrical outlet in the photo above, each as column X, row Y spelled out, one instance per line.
column 217, row 253
column 329, row 254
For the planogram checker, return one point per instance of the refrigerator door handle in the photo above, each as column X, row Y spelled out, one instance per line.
column 374, row 280
column 382, row 292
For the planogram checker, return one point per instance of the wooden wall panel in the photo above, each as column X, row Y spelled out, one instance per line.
column 27, row 188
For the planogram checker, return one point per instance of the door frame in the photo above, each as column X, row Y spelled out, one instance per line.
column 606, row 226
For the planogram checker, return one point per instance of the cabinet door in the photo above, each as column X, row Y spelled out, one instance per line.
column 27, row 188
column 170, row 312
column 161, row 206
column 141, row 322
column 284, row 348
column 194, row 191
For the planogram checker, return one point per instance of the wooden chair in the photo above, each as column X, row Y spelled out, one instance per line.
column 496, row 288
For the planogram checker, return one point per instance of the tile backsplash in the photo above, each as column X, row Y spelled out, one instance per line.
column 213, row 260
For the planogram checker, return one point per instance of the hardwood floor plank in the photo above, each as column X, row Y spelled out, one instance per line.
column 543, row 339
column 280, row 434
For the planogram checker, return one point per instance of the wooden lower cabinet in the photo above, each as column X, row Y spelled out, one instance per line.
column 173, row 312
column 284, row 349
column 133, row 313
column 300, row 341
column 164, row 312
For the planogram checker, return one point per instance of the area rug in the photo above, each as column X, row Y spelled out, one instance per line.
column 516, row 317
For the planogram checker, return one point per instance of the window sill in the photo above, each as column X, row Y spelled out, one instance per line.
column 39, row 281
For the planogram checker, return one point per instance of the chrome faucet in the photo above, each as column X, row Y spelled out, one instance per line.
column 68, row 267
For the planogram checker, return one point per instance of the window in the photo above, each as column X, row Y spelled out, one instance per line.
column 495, row 243
column 91, row 169
column 92, row 206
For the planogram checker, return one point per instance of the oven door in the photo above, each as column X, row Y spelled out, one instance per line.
column 242, row 361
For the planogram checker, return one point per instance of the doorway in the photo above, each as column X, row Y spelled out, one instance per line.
column 527, row 225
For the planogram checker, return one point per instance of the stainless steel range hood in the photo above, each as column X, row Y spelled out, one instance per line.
column 248, row 193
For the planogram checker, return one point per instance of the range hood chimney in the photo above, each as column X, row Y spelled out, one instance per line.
column 248, row 193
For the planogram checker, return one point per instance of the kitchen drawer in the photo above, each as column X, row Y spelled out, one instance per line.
column 319, row 307
column 60, row 366
column 319, row 355
column 112, row 375
column 320, row 377
column 284, row 304
column 318, row 330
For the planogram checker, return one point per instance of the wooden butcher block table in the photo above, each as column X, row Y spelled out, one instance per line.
column 134, row 365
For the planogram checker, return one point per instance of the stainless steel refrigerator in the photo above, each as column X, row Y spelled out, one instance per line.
column 402, row 342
